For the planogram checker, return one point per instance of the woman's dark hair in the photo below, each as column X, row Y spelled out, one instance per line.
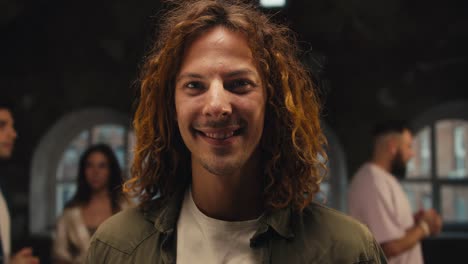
column 83, row 192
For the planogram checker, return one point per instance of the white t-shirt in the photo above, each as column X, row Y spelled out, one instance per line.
column 5, row 228
column 201, row 239
column 377, row 199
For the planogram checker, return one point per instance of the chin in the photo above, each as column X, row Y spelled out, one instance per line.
column 221, row 168
column 5, row 155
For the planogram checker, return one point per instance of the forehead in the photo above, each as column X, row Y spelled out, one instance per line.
column 217, row 41
column 406, row 136
column 5, row 116
column 96, row 155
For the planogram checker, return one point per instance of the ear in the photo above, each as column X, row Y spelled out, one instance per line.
column 393, row 145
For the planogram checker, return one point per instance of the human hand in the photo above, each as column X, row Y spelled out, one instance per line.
column 438, row 224
column 24, row 256
column 418, row 216
column 434, row 221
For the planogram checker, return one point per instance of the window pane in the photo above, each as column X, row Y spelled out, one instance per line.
column 324, row 170
column 324, row 195
column 114, row 136
column 419, row 195
column 455, row 203
column 68, row 166
column 65, row 192
column 272, row 3
column 452, row 142
column 420, row 165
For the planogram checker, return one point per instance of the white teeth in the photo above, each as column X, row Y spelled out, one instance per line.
column 220, row 135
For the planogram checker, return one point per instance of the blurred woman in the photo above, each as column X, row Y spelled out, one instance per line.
column 98, row 197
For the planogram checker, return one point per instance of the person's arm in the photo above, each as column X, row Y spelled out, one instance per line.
column 61, row 245
column 429, row 224
column 396, row 247
column 24, row 256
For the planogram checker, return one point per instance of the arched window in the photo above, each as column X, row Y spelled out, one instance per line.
column 55, row 161
column 333, row 188
column 438, row 174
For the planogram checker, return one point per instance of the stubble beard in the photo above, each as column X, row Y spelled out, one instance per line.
column 398, row 166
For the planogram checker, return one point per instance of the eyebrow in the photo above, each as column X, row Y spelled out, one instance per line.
column 228, row 75
column 189, row 75
column 240, row 72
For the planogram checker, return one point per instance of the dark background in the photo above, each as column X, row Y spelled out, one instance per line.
column 377, row 59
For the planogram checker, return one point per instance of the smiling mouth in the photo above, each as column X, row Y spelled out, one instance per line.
column 221, row 135
column 7, row 145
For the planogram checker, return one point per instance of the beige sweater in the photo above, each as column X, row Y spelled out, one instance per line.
column 72, row 235
column 5, row 228
column 71, row 232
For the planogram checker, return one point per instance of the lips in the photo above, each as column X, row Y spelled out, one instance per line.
column 7, row 145
column 219, row 134
column 224, row 135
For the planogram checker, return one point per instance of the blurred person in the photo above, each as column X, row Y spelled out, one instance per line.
column 227, row 154
column 98, row 196
column 377, row 199
column 7, row 141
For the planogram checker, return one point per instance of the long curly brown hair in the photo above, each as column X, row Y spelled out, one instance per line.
column 292, row 143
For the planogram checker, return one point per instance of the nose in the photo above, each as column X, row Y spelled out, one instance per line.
column 218, row 103
column 411, row 153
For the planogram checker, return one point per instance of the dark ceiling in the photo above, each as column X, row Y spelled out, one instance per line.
column 376, row 58
column 389, row 43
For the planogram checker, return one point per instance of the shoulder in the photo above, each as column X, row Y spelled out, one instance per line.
column 125, row 231
column 126, row 203
column 368, row 179
column 368, row 171
column 71, row 214
column 339, row 235
column 334, row 224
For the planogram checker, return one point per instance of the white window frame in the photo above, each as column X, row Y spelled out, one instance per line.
column 452, row 110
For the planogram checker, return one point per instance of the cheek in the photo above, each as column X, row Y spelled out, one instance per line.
column 257, row 121
column 105, row 171
column 180, row 120
column 178, row 104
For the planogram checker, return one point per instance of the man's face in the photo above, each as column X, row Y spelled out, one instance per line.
column 220, row 102
column 7, row 134
column 404, row 154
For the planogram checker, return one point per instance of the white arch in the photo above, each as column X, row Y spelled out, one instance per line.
column 47, row 156
column 337, row 174
column 456, row 109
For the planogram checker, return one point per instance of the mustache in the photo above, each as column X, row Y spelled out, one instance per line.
column 220, row 123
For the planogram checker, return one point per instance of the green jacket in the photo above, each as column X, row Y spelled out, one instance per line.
column 317, row 235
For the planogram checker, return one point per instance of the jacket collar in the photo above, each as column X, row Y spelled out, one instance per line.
column 280, row 221
column 164, row 215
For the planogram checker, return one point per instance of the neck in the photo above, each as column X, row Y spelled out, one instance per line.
column 236, row 197
column 100, row 195
column 381, row 162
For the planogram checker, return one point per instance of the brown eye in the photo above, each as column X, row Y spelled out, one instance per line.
column 239, row 86
column 102, row 165
column 194, row 85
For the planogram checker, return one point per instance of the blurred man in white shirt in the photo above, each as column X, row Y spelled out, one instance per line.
column 377, row 199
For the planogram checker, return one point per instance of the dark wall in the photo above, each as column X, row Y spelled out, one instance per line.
column 377, row 59
column 58, row 57
column 384, row 60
